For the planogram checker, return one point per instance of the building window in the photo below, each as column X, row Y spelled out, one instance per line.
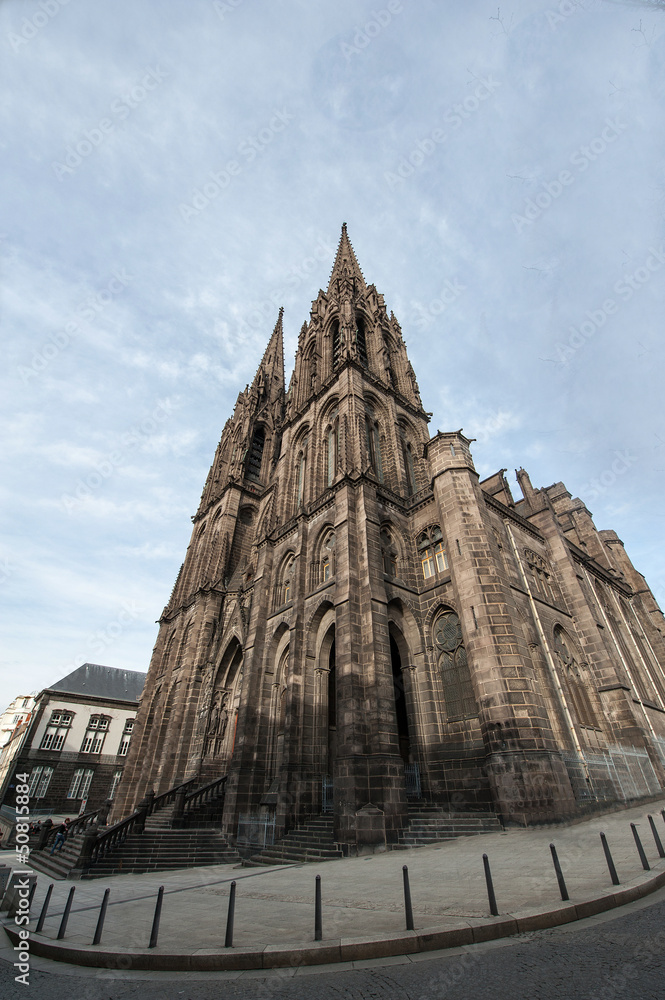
column 433, row 558
column 255, row 457
column 328, row 557
column 85, row 785
column 126, row 736
column 301, row 473
column 388, row 552
column 333, row 448
column 56, row 731
column 361, row 341
column 454, row 666
column 77, row 778
column 35, row 775
column 409, row 468
column 93, row 740
column 374, row 446
column 579, row 696
column 336, row 344
column 115, row 781
column 284, row 592
column 40, row 778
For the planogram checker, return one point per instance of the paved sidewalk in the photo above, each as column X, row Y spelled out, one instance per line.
column 363, row 905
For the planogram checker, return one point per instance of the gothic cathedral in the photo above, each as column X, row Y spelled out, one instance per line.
column 361, row 625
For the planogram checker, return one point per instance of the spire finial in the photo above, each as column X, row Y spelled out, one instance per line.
column 346, row 260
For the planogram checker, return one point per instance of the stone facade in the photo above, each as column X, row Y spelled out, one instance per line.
column 359, row 621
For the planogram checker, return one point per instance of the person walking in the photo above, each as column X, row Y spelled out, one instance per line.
column 60, row 836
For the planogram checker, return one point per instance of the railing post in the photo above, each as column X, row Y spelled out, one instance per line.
column 149, row 800
column 179, row 803
column 659, row 843
column 494, row 910
column 100, row 920
column 230, row 916
column 559, row 874
column 610, row 862
column 640, row 849
column 408, row 911
column 45, row 834
column 65, row 916
column 42, row 915
column 318, row 917
column 155, row 920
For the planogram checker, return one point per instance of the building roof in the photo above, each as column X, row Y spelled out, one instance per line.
column 102, row 682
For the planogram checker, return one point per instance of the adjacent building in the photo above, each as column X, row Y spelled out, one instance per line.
column 361, row 624
column 14, row 716
column 75, row 745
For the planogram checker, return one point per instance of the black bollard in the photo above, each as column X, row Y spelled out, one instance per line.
column 662, row 813
column 640, row 849
column 42, row 915
column 559, row 874
column 230, row 917
column 659, row 843
column 318, row 916
column 610, row 862
column 407, row 899
column 494, row 910
column 31, row 896
column 155, row 920
column 65, row 916
column 100, row 920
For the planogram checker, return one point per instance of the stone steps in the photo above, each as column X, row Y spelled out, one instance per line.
column 313, row 841
column 165, row 850
column 431, row 825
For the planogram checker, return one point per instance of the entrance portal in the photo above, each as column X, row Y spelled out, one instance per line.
column 400, row 703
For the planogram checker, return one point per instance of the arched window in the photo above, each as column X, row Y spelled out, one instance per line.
column 336, row 344
column 333, row 448
column 454, row 666
column 374, row 445
column 409, row 467
column 301, row 472
column 255, row 456
column 361, row 340
column 433, row 558
column 388, row 552
column 285, row 587
column 579, row 696
column 328, row 557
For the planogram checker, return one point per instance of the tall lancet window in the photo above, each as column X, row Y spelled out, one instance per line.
column 301, row 473
column 409, row 467
column 361, row 341
column 333, row 448
column 255, row 456
column 374, row 445
column 336, row 344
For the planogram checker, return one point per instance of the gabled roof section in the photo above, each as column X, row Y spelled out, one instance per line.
column 346, row 262
column 102, row 682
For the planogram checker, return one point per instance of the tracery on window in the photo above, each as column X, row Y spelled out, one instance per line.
column 336, row 344
column 541, row 574
column 286, row 581
column 301, row 472
column 460, row 702
column 361, row 340
column 374, row 445
column 409, row 467
column 328, row 557
column 432, row 554
column 255, row 456
column 575, row 683
column 332, row 454
column 389, row 551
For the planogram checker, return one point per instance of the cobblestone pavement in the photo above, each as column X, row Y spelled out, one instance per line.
column 610, row 957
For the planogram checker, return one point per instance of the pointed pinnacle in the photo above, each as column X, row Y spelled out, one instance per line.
column 346, row 256
column 272, row 362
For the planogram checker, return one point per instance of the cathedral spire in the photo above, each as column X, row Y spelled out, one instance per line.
column 269, row 379
column 346, row 263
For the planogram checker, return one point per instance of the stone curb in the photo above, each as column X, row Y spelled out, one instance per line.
column 345, row 950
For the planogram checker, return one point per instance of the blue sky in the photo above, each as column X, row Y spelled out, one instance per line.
column 174, row 172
